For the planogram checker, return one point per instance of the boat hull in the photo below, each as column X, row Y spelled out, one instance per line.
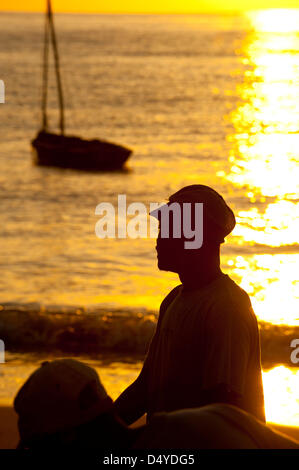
column 73, row 152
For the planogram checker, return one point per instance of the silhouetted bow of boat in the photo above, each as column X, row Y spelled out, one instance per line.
column 73, row 152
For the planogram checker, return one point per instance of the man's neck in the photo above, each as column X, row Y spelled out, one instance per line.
column 195, row 279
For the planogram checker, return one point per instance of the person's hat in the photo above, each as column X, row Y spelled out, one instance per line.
column 217, row 214
column 58, row 396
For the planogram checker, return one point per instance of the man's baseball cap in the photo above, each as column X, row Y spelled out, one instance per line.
column 217, row 214
column 58, row 396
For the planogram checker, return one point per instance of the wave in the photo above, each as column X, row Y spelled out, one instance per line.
column 35, row 328
column 31, row 327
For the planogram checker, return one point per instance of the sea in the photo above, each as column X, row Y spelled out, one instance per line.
column 200, row 99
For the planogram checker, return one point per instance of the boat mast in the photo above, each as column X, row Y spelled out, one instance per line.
column 56, row 59
column 45, row 76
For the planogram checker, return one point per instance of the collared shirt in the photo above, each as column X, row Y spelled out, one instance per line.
column 205, row 338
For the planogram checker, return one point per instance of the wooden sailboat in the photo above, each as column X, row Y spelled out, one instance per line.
column 64, row 151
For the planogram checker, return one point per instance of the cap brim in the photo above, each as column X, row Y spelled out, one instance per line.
column 158, row 211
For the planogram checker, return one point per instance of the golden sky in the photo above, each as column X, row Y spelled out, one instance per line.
column 147, row 6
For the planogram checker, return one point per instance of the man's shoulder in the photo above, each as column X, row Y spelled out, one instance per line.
column 231, row 299
column 232, row 293
column 169, row 298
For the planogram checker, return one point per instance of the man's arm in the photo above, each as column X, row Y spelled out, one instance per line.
column 132, row 403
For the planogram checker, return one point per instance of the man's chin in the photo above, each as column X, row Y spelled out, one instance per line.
column 167, row 265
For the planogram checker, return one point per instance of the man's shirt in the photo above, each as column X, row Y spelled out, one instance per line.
column 205, row 338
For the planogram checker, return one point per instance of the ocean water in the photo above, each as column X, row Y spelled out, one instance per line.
column 199, row 99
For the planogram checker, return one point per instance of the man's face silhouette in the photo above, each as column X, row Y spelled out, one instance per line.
column 169, row 253
column 173, row 255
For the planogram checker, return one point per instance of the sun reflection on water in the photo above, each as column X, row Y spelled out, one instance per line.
column 271, row 283
column 281, row 400
column 277, row 20
column 265, row 142
column 264, row 163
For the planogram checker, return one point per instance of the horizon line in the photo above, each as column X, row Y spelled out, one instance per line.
column 191, row 12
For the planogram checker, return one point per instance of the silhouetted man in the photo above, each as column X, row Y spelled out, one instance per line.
column 206, row 347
